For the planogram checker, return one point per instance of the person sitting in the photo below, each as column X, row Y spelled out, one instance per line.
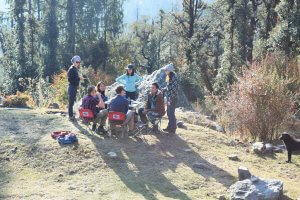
column 97, row 106
column 121, row 104
column 101, row 87
column 154, row 108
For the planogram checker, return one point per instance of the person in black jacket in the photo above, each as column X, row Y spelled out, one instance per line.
column 74, row 79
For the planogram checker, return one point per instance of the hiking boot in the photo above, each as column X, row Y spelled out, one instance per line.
column 72, row 119
column 94, row 127
column 102, row 130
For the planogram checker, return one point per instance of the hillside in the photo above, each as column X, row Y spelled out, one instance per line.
column 34, row 166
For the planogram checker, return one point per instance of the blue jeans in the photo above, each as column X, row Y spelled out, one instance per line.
column 72, row 92
column 171, row 116
column 131, row 95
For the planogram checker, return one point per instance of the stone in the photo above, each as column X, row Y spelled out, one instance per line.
column 14, row 150
column 53, row 106
column 199, row 165
column 269, row 148
column 258, row 147
column 158, row 76
column 233, row 157
column 244, row 173
column 279, row 149
column 232, row 143
column 180, row 124
column 112, row 154
column 260, row 189
column 188, row 150
column 222, row 197
column 217, row 127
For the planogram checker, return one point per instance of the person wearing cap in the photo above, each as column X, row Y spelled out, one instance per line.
column 130, row 80
column 74, row 79
column 170, row 92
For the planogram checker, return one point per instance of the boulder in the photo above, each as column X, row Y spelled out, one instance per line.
column 158, row 76
column 269, row 148
column 258, row 147
column 244, row 173
column 256, row 190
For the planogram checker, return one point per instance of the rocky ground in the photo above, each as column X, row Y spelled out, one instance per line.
column 193, row 164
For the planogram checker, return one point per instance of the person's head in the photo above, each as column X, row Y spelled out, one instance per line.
column 101, row 87
column 120, row 90
column 154, row 88
column 92, row 91
column 169, row 69
column 76, row 61
column 130, row 70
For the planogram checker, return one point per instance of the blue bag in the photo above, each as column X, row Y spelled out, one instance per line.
column 67, row 139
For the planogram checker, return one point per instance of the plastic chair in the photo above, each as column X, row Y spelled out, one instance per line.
column 116, row 120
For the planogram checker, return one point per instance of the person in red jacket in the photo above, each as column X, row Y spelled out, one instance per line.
column 154, row 106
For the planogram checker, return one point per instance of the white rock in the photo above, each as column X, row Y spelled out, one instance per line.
column 260, row 189
column 112, row 154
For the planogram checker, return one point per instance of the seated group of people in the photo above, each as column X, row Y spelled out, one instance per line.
column 97, row 102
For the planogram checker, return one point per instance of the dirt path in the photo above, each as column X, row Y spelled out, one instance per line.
column 34, row 166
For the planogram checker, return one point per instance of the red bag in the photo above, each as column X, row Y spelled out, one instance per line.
column 57, row 134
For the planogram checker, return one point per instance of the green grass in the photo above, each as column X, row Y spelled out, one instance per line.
column 156, row 169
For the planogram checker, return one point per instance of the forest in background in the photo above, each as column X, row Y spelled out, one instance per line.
column 211, row 45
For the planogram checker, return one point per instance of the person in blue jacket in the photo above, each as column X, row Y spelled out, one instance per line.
column 74, row 79
column 130, row 80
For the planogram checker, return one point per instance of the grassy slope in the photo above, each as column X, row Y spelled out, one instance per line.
column 156, row 169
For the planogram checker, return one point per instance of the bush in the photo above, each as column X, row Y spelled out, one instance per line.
column 18, row 100
column 260, row 102
column 59, row 89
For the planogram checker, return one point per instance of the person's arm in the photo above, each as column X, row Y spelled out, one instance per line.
column 101, row 103
column 148, row 106
column 126, row 106
column 159, row 104
column 121, row 79
column 172, row 90
column 138, row 79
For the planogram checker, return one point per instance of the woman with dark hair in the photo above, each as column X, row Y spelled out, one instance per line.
column 130, row 80
column 170, row 92
column 101, row 87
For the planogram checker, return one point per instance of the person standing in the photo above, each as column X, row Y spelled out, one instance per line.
column 74, row 79
column 130, row 80
column 171, row 91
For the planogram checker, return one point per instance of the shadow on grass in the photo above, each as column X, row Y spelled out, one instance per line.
column 141, row 166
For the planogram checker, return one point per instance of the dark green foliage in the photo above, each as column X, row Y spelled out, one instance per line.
column 50, row 39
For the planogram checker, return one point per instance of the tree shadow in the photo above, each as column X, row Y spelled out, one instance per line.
column 141, row 166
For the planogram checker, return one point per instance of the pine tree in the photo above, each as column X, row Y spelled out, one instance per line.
column 20, row 28
column 50, row 39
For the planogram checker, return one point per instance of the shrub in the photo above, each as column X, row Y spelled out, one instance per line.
column 18, row 100
column 260, row 103
column 59, row 88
